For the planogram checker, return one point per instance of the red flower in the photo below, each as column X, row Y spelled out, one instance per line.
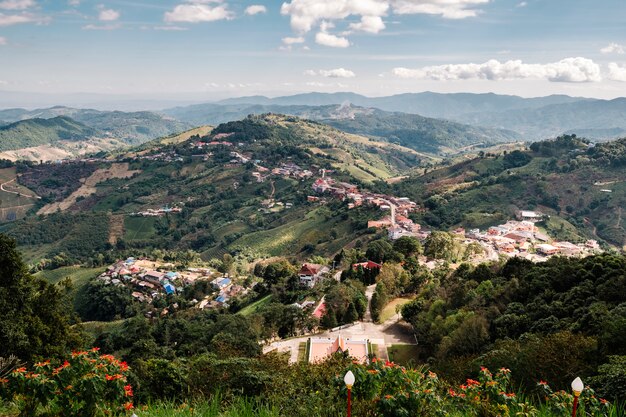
column 40, row 364
column 95, row 349
column 128, row 390
column 3, row 380
column 451, row 392
column 19, row 370
column 544, row 383
column 128, row 406
column 603, row 401
column 113, row 377
column 472, row 382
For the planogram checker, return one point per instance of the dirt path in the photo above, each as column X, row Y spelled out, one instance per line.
column 619, row 218
column 116, row 228
column 15, row 192
column 369, row 292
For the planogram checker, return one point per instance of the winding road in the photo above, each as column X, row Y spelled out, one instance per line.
column 15, row 192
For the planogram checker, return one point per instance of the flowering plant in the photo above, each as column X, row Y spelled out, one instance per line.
column 87, row 384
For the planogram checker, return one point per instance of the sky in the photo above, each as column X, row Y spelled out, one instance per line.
column 212, row 49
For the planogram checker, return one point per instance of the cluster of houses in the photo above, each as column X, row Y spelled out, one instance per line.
column 170, row 156
column 157, row 212
column 311, row 274
column 226, row 291
column 149, row 280
column 522, row 238
column 397, row 222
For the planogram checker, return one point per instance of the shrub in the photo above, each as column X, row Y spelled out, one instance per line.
column 85, row 385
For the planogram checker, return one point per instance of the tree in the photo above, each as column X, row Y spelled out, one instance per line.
column 439, row 245
column 33, row 317
column 408, row 246
column 351, row 314
column 329, row 319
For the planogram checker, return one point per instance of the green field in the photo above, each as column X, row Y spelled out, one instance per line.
column 390, row 309
column 79, row 276
column 139, row 228
column 254, row 307
column 404, row 355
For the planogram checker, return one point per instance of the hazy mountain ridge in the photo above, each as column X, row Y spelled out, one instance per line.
column 130, row 127
column 36, row 132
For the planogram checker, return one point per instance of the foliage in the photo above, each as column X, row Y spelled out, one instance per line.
column 33, row 318
column 85, row 385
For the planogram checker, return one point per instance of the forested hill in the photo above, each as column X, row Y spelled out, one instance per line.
column 35, row 132
column 580, row 186
column 423, row 134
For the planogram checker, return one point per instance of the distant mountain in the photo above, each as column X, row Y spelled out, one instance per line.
column 596, row 117
column 428, row 104
column 36, row 132
column 413, row 131
column 131, row 128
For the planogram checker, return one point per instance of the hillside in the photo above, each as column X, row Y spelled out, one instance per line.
column 35, row 132
column 582, row 188
column 230, row 198
column 129, row 127
column 413, row 131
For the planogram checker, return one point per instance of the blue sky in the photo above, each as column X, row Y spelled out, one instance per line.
column 214, row 49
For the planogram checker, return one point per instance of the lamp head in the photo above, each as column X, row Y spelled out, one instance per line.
column 349, row 379
column 577, row 386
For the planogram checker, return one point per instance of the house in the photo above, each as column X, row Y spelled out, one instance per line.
column 169, row 288
column 367, row 265
column 311, row 274
column 529, row 215
column 221, row 283
column 154, row 276
column 546, row 249
column 320, row 348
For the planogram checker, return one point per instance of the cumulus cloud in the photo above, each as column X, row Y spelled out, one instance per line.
column 613, row 48
column 370, row 24
column 16, row 4
column 107, row 15
column 449, row 9
column 24, row 17
column 199, row 11
column 255, row 9
column 292, row 41
column 306, row 15
column 573, row 70
column 334, row 41
column 616, row 72
column 333, row 73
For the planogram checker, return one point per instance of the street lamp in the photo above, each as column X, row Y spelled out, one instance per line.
column 577, row 388
column 349, row 380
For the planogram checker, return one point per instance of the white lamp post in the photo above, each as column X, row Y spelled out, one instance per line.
column 577, row 388
column 349, row 380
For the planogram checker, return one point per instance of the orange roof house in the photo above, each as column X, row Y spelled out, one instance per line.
column 320, row 348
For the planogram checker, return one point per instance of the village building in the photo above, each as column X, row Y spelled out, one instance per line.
column 311, row 274
column 321, row 348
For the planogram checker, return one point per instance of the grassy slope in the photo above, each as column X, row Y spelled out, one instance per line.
column 35, row 132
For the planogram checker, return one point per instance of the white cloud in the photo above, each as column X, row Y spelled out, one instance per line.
column 574, row 70
column 111, row 26
column 522, row 4
column 24, row 17
column 333, row 41
column 199, row 11
column 108, row 15
column 73, row 2
column 333, row 73
column 170, row 28
column 16, row 4
column 449, row 9
column 305, row 14
column 291, row 41
column 370, row 24
column 616, row 72
column 255, row 9
column 613, row 48
column 3, row 41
